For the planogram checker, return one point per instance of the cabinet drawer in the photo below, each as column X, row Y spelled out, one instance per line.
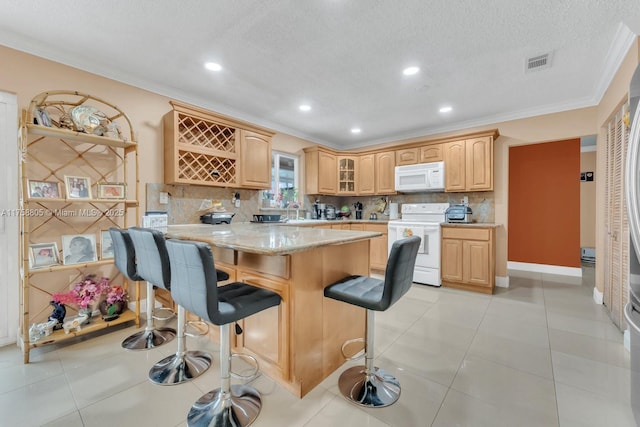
column 382, row 228
column 466, row 233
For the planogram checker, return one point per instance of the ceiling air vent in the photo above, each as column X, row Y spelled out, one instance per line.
column 539, row 62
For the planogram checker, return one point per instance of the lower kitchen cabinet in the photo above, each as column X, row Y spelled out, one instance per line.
column 468, row 258
column 378, row 249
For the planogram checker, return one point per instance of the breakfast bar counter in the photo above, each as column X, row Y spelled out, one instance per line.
column 298, row 343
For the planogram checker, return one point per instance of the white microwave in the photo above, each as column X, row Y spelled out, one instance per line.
column 420, row 177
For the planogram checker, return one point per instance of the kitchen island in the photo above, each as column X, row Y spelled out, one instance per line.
column 298, row 342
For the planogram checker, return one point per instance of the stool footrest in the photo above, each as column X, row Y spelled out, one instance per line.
column 171, row 314
column 358, row 355
column 255, row 370
column 201, row 328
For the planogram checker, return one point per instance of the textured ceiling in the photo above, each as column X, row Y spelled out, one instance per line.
column 342, row 57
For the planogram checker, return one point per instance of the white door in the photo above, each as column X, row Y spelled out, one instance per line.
column 9, row 234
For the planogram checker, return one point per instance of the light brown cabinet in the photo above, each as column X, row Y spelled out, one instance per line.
column 347, row 175
column 385, row 172
column 469, row 165
column 255, row 160
column 320, row 172
column 378, row 249
column 431, row 153
column 468, row 258
column 204, row 148
column 407, row 156
column 424, row 154
column 366, row 174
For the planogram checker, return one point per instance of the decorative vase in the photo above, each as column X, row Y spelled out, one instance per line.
column 111, row 311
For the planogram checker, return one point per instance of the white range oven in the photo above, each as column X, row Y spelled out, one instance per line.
column 422, row 219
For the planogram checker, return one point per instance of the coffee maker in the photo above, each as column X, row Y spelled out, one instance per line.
column 358, row 207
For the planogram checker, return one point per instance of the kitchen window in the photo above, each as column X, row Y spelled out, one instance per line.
column 284, row 181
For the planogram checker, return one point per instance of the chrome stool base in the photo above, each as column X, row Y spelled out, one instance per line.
column 238, row 408
column 147, row 339
column 375, row 390
column 176, row 369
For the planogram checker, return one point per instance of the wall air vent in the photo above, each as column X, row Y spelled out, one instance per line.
column 538, row 62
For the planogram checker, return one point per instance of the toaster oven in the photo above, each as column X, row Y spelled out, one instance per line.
column 459, row 214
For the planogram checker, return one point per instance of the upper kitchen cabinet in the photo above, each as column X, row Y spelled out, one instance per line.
column 347, row 175
column 320, row 171
column 469, row 164
column 385, row 172
column 421, row 154
column 204, row 148
column 366, row 174
column 255, row 160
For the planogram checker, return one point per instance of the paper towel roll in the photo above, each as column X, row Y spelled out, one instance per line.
column 393, row 211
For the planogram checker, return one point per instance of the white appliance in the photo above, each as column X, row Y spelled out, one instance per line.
column 632, row 195
column 422, row 219
column 420, row 177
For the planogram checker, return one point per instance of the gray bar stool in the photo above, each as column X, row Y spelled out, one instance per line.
column 367, row 385
column 153, row 262
column 195, row 286
column 125, row 259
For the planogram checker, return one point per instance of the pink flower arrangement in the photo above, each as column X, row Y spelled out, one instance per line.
column 84, row 293
column 116, row 294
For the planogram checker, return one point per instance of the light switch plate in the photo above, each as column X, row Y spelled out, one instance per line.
column 164, row 198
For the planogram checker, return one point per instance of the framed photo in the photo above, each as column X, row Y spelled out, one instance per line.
column 42, row 117
column 114, row 190
column 78, row 187
column 43, row 255
column 106, row 245
column 78, row 248
column 44, row 189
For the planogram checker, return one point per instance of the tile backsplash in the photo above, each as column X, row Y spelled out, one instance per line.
column 185, row 200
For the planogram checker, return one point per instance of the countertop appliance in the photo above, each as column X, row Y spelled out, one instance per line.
column 632, row 196
column 217, row 218
column 459, row 213
column 420, row 177
column 330, row 212
column 422, row 219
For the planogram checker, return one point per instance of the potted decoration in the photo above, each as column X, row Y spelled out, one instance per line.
column 84, row 294
column 114, row 303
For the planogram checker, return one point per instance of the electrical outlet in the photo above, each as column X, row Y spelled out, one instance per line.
column 164, row 198
column 237, row 203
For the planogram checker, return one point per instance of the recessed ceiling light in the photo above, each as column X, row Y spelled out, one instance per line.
column 356, row 130
column 410, row 71
column 446, row 109
column 305, row 107
column 212, row 66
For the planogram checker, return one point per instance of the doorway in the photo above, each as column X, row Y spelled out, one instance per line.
column 9, row 234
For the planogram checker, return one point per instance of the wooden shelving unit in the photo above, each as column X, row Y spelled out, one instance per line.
column 49, row 153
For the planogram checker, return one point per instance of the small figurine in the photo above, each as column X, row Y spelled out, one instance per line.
column 59, row 311
column 74, row 324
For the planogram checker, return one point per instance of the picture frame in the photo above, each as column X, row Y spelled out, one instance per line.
column 77, row 187
column 78, row 248
column 106, row 245
column 43, row 255
column 41, row 117
column 43, row 189
column 112, row 190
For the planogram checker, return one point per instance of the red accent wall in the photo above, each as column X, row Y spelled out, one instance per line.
column 544, row 203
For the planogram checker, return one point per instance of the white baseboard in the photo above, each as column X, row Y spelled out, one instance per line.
column 543, row 268
column 502, row 282
column 598, row 296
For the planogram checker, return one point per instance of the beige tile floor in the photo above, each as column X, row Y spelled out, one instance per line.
column 540, row 353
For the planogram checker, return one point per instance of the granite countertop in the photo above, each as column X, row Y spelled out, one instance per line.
column 266, row 239
column 473, row 224
column 312, row 222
